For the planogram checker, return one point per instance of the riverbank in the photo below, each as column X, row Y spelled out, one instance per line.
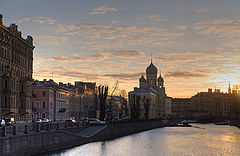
column 208, row 139
column 45, row 142
column 236, row 123
column 114, row 131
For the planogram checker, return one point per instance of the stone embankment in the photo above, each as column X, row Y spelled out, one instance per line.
column 50, row 140
column 236, row 123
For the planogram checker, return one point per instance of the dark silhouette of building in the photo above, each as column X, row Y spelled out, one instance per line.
column 181, row 107
column 212, row 104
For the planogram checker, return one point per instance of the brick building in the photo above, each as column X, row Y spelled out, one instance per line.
column 16, row 68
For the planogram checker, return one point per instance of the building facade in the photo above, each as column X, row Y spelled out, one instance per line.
column 16, row 68
column 181, row 107
column 43, row 102
column 50, row 100
column 83, row 99
column 211, row 104
column 149, row 100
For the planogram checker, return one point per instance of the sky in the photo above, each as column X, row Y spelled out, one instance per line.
column 195, row 44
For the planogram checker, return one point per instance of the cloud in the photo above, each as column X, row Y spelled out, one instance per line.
column 39, row 20
column 184, row 74
column 157, row 18
column 50, row 40
column 125, row 53
column 126, row 76
column 102, row 10
column 201, row 11
column 44, row 20
column 224, row 30
column 76, row 58
column 181, row 27
column 24, row 20
column 63, row 72
column 113, row 36
column 99, row 56
column 184, row 56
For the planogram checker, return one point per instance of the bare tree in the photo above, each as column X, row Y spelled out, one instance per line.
column 115, row 88
column 103, row 93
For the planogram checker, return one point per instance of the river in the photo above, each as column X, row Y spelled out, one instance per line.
column 202, row 139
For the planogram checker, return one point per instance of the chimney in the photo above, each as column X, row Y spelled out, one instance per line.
column 29, row 39
column 13, row 27
column 1, row 17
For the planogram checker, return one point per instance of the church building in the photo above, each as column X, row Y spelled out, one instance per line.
column 149, row 101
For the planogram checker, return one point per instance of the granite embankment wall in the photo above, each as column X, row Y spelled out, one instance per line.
column 236, row 123
column 51, row 141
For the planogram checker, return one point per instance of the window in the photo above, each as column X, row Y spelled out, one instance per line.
column 22, row 88
column 43, row 93
column 43, row 104
column 52, row 105
column 51, row 94
column 4, row 101
column 37, row 104
column 6, row 84
column 21, row 106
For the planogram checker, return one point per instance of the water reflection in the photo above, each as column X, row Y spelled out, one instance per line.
column 207, row 140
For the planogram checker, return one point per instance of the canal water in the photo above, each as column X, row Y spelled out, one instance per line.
column 202, row 139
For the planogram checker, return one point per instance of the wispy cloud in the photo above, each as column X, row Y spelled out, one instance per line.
column 50, row 40
column 181, row 27
column 125, row 53
column 157, row 18
column 108, row 36
column 201, row 11
column 226, row 31
column 102, row 10
column 24, row 20
column 39, row 20
column 126, row 76
column 184, row 74
column 99, row 56
column 76, row 58
column 185, row 56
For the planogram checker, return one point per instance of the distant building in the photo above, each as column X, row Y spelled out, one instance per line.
column 16, row 68
column 181, row 107
column 75, row 104
column 211, row 104
column 89, row 98
column 51, row 100
column 83, row 100
column 149, row 100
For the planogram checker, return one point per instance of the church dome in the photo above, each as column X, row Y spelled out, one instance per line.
column 142, row 79
column 160, row 79
column 151, row 69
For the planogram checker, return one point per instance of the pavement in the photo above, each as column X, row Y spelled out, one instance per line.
column 90, row 131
